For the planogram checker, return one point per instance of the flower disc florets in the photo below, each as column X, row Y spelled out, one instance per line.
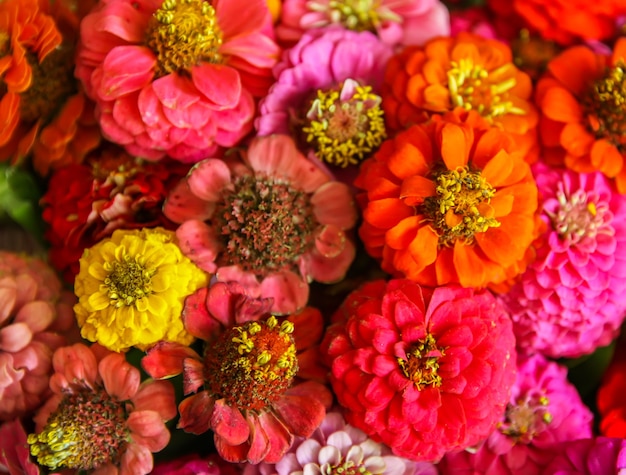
column 253, row 364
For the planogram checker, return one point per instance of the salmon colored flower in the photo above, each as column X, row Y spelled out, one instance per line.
column 101, row 418
column 272, row 222
column 244, row 386
column 14, row 453
column 176, row 77
column 465, row 71
column 422, row 371
column 451, row 200
column 85, row 203
column 581, row 97
column 41, row 108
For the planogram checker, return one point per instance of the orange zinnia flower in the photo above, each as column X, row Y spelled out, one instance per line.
column 583, row 100
column 41, row 109
column 464, row 71
column 449, row 201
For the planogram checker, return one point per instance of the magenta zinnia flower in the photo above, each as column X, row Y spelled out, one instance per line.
column 396, row 22
column 572, row 299
column 273, row 222
column 544, row 409
column 424, row 372
column 176, row 78
column 326, row 95
column 101, row 417
column 244, row 387
column 592, row 456
column 35, row 319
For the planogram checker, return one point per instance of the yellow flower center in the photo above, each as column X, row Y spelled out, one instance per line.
column 357, row 15
column 606, row 106
column 87, row 430
column 472, row 87
column 52, row 83
column 421, row 363
column 127, row 281
column 183, row 33
column 526, row 419
column 345, row 130
column 253, row 364
column 461, row 207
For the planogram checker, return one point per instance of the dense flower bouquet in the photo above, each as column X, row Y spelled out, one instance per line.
column 312, row 237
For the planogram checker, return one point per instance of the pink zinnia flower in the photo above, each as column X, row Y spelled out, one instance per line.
column 176, row 78
column 101, row 417
column 14, row 454
column 424, row 372
column 272, row 222
column 244, row 388
column 592, row 456
column 544, row 409
column 35, row 319
column 337, row 447
column 572, row 299
column 326, row 95
column 193, row 464
column 396, row 22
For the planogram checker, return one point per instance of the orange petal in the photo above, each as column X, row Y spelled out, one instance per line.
column 560, row 105
column 423, row 249
column 575, row 68
column 402, row 234
column 576, row 140
column 387, row 212
column 454, row 146
column 415, row 189
column 9, row 111
column 606, row 158
column 498, row 169
column 408, row 160
column 469, row 267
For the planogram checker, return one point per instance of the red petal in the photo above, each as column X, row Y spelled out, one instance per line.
column 195, row 413
column 165, row 359
column 220, row 84
column 301, row 414
column 228, row 423
column 279, row 439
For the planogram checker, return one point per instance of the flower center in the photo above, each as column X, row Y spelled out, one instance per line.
column 461, row 207
column 422, row 363
column 88, row 430
column 52, row 83
column 346, row 467
column 472, row 87
column 127, row 281
column 578, row 216
column 182, row 33
column 526, row 419
column 345, row 125
column 606, row 106
column 266, row 224
column 252, row 365
column 357, row 15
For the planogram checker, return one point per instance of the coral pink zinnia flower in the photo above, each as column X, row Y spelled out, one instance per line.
column 424, row 372
column 34, row 315
column 14, row 454
column 101, row 417
column 273, row 223
column 176, row 78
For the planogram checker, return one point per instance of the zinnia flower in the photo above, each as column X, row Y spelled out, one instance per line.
column 396, row 22
column 572, row 299
column 193, row 464
column 41, row 108
column 422, row 372
column 101, row 417
column 273, row 223
column 566, row 22
column 449, row 201
column 582, row 100
column 111, row 190
column 244, row 387
column 131, row 289
column 465, row 71
column 592, row 456
column 337, row 447
column 35, row 319
column 14, row 453
column 326, row 95
column 544, row 409
column 176, row 77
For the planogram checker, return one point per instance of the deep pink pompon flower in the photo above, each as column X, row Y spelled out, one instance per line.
column 592, row 456
column 424, row 372
column 544, row 409
column 272, row 222
column 572, row 299
column 396, row 22
column 176, row 78
column 325, row 94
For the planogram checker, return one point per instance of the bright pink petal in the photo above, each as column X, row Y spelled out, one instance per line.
column 156, row 396
column 234, row 23
column 258, row 50
column 220, row 84
column 137, row 460
column 148, row 429
column 333, row 204
column 120, row 378
column 209, row 179
column 126, row 69
column 165, row 359
column 289, row 291
column 229, row 423
column 195, row 413
column 236, row 274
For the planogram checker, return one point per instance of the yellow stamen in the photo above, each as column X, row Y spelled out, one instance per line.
column 421, row 363
column 356, row 15
column 127, row 281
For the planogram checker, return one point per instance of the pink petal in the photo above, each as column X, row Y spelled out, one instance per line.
column 195, row 413
column 182, row 205
column 125, row 111
column 273, row 155
column 165, row 359
column 196, row 316
column 126, row 69
column 329, row 241
column 289, row 291
column 330, row 269
column 209, row 179
column 37, row 315
column 151, row 108
column 301, row 414
column 76, row 363
column 175, row 91
column 14, row 337
column 8, row 296
column 258, row 50
column 137, row 460
column 278, row 436
column 220, row 84
column 200, row 243
column 333, row 204
column 156, row 396
column 120, row 378
column 122, row 20
column 228, row 423
column 233, row 23
column 193, row 375
column 246, row 279
column 147, row 429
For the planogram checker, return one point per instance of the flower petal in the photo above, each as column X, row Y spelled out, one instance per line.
column 220, row 84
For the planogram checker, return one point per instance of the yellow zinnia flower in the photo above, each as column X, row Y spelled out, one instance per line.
column 131, row 288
